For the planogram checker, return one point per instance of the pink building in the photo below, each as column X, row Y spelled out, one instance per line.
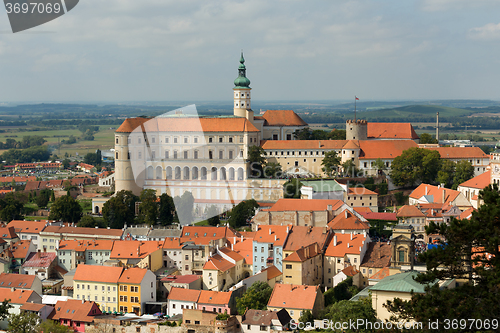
column 76, row 314
column 214, row 301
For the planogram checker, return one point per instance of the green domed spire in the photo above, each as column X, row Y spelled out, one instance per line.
column 242, row 81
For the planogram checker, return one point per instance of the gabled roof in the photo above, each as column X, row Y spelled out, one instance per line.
column 231, row 254
column 18, row 296
column 83, row 245
column 96, row 273
column 351, row 144
column 202, row 235
column 20, row 249
column 131, row 249
column 360, row 191
column 275, row 234
column 384, row 149
column 478, row 182
column 343, row 240
column 27, row 226
column 272, row 272
column 186, row 295
column 467, row 214
column 133, row 275
column 391, row 131
column 303, row 144
column 434, row 193
column 350, row 271
column 245, row 249
column 199, row 124
column 309, row 205
column 76, row 310
column 304, row 253
column 40, row 259
column 216, row 262
column 347, row 221
column 265, row 317
column 379, row 216
column 82, row 231
column 382, row 274
column 8, row 233
column 214, row 297
column 460, row 152
column 11, row 280
column 282, row 118
column 181, row 278
column 300, row 236
column 291, row 296
column 377, row 255
column 402, row 282
column 131, row 124
column 172, row 243
column 409, row 211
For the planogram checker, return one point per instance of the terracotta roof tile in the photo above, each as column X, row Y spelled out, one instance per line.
column 76, row 310
column 214, row 297
column 384, row 149
column 478, row 182
column 460, row 152
column 361, row 191
column 435, row 192
column 83, row 231
column 27, row 226
column 300, row 236
column 131, row 249
column 181, row 294
column 304, row 253
column 275, row 234
column 347, row 221
column 20, row 249
column 272, row 272
column 131, row 124
column 82, row 245
column 409, row 211
column 216, row 262
column 231, row 254
column 467, row 214
column 351, row 144
column 245, row 249
column 42, row 259
column 282, row 118
column 382, row 274
column 303, row 144
column 350, row 271
column 202, row 235
column 8, row 233
column 343, row 240
column 379, row 216
column 133, row 275
column 292, row 296
column 283, row 205
column 377, row 255
column 181, row 278
column 96, row 273
column 18, row 296
column 172, row 243
column 391, row 131
column 11, row 280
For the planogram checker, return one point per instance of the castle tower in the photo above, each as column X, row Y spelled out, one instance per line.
column 495, row 167
column 242, row 106
column 356, row 130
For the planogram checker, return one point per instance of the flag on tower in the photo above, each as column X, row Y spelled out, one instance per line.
column 357, row 98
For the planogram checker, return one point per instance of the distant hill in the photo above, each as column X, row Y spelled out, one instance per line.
column 418, row 111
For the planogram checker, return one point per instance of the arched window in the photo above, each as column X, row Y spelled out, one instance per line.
column 240, row 173
column 195, row 173
column 231, row 173
column 223, row 174
column 186, row 173
column 203, row 173
column 150, row 172
column 177, row 173
column 159, row 172
column 169, row 173
column 214, row 173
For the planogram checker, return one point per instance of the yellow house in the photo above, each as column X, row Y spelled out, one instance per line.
column 136, row 286
column 296, row 299
column 304, row 266
column 223, row 270
column 98, row 284
column 143, row 254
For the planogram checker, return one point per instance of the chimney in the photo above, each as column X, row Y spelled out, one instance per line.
column 343, row 232
column 426, row 190
column 44, row 249
column 275, row 238
column 241, row 238
column 39, row 251
column 444, row 195
column 83, row 301
column 335, row 240
column 287, row 229
column 351, row 235
column 329, row 208
column 347, row 245
column 345, row 211
column 269, row 231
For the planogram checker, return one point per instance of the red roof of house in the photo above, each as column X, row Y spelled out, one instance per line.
column 181, row 278
column 384, row 149
column 382, row 274
column 309, row 205
column 76, row 310
column 347, row 221
column 11, row 280
column 282, row 118
column 436, row 192
column 133, row 275
column 172, row 243
column 343, row 240
column 478, row 182
column 181, row 294
column 20, row 249
column 391, row 131
column 300, row 236
column 291, row 296
column 204, row 234
column 350, row 271
column 245, row 249
column 379, row 216
column 8, row 232
column 467, row 214
column 460, row 152
column 40, row 259
column 361, row 191
column 377, row 255
column 188, row 124
column 216, row 262
column 272, row 272
column 82, row 245
column 31, row 227
column 231, row 254
column 214, row 297
column 18, row 296
column 97, row 273
column 134, row 249
column 304, row 253
column 17, row 179
column 409, row 211
column 275, row 234
column 303, row 144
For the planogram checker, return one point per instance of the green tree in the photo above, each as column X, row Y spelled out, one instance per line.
column 214, row 216
column 380, row 165
column 184, row 207
column 65, row 163
column 307, row 317
column 25, row 322
column 331, row 163
column 273, row 170
column 4, row 309
column 166, row 209
column 471, row 254
column 52, row 196
column 42, row 201
column 65, row 209
column 120, row 209
column 338, row 293
column 349, row 169
column 88, row 221
column 10, row 208
column 446, row 173
column 52, row 327
column 463, row 172
column 345, row 311
column 291, row 188
column 242, row 212
column 415, row 165
column 337, row 134
column 257, row 160
column 256, row 297
column 148, row 208
column 427, row 138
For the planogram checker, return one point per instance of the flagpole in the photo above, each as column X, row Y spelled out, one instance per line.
column 355, row 108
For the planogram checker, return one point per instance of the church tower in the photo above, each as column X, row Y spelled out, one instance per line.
column 242, row 106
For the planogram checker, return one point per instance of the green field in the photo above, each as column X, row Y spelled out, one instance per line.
column 416, row 111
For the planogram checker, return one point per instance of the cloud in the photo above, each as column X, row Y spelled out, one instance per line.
column 490, row 31
column 447, row 5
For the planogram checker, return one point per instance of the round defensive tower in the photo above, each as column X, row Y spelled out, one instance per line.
column 356, row 129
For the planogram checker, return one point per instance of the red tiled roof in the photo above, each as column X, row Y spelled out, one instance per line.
column 384, row 149
column 409, row 211
column 204, row 234
column 272, row 272
column 214, row 297
column 382, row 274
column 40, row 259
column 350, row 271
column 83, row 231
column 181, row 294
column 181, row 278
column 467, row 214
column 11, row 280
column 216, row 262
column 18, row 296
column 342, row 241
column 282, row 118
column 275, row 234
column 391, row 131
column 17, row 179
column 32, row 307
column 347, row 221
column 76, row 310
column 304, row 253
column 478, row 182
column 188, row 124
column 283, row 205
column 131, row 124
column 20, row 249
column 27, row 226
column 96, row 273
column 377, row 255
column 460, row 152
column 300, row 236
column 245, row 249
column 231, row 254
column 132, row 249
column 133, row 275
column 436, row 192
column 290, row 296
column 379, row 216
column 351, row 144
column 82, row 245
column 361, row 191
column 8, row 232
column 172, row 243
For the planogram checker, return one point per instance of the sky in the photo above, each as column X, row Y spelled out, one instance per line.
column 164, row 50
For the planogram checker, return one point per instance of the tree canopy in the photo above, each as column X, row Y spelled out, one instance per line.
column 120, row 209
column 257, row 159
column 291, row 188
column 148, row 207
column 213, row 216
column 330, row 163
column 256, row 297
column 26, row 322
column 427, row 138
column 243, row 211
column 415, row 165
column 166, row 209
column 66, row 209
column 471, row 254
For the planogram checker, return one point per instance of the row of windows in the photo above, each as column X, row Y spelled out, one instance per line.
column 242, row 94
column 292, row 153
column 133, row 289
column 133, row 299
column 185, row 154
column 96, row 298
column 186, row 139
column 95, row 287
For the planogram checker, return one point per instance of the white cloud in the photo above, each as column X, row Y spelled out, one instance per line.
column 490, row 31
column 446, row 5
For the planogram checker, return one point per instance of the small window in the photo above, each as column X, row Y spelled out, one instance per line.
column 221, row 139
